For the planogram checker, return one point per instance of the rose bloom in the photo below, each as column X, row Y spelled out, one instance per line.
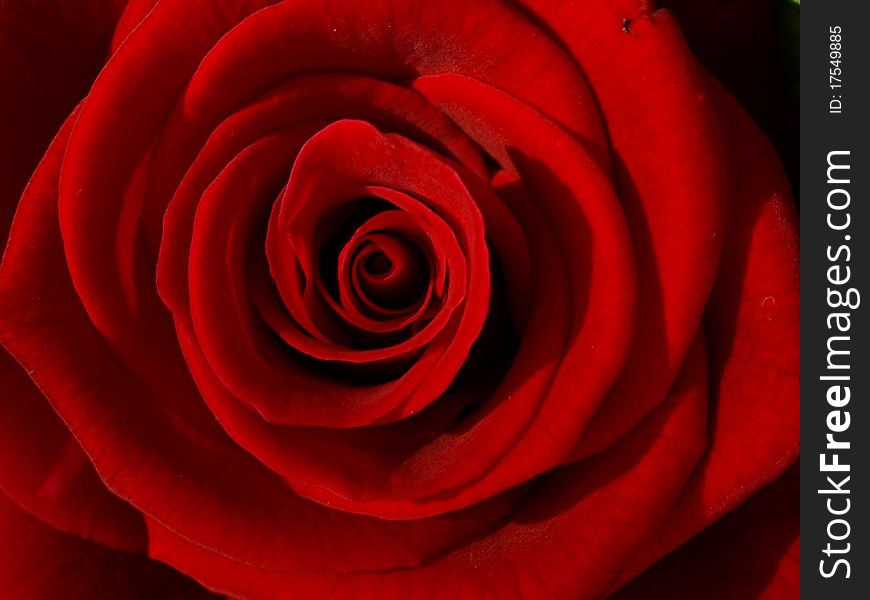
column 389, row 299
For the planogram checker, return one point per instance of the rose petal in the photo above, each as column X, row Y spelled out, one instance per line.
column 573, row 197
column 567, row 541
column 134, row 13
column 44, row 470
column 669, row 180
column 752, row 322
column 37, row 562
column 41, row 465
column 753, row 552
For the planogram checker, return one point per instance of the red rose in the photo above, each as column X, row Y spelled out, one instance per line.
column 387, row 299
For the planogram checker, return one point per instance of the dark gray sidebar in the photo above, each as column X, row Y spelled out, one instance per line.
column 835, row 260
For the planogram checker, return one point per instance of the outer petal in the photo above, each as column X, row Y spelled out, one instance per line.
column 41, row 465
column 51, row 51
column 668, row 177
column 40, row 563
column 568, row 540
column 751, row 553
column 752, row 324
column 44, row 469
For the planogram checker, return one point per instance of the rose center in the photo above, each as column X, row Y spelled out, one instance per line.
column 378, row 264
column 389, row 271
